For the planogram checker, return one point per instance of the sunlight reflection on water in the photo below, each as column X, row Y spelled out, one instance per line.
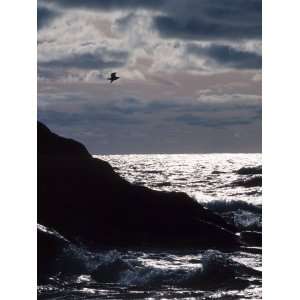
column 205, row 177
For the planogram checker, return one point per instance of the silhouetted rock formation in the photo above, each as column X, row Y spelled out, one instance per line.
column 250, row 170
column 249, row 182
column 110, row 271
column 82, row 197
column 252, row 238
column 54, row 145
column 50, row 246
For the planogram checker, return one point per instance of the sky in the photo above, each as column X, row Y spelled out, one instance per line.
column 190, row 74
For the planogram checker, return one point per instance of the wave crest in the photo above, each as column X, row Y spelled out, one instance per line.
column 217, row 270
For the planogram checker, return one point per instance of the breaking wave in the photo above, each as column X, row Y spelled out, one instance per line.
column 217, row 270
column 228, row 206
column 244, row 215
column 206, row 270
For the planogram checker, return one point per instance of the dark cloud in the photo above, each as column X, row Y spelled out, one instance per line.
column 45, row 16
column 48, row 73
column 124, row 22
column 194, row 120
column 90, row 117
column 108, row 4
column 189, row 19
column 122, row 118
column 211, row 20
column 116, row 131
column 197, row 29
column 99, row 60
column 134, row 111
column 132, row 125
column 227, row 56
column 88, row 61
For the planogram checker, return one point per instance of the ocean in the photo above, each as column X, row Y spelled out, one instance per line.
column 228, row 184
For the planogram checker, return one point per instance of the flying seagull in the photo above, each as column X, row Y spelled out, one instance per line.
column 113, row 77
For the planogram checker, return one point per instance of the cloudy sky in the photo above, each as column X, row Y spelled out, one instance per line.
column 190, row 74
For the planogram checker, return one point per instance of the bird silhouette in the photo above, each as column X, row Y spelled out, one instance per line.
column 113, row 77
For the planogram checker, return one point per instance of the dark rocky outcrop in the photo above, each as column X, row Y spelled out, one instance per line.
column 54, row 145
column 82, row 197
column 50, row 246
column 249, row 182
column 253, row 238
column 110, row 271
column 249, row 170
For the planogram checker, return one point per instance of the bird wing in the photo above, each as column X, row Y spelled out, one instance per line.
column 113, row 74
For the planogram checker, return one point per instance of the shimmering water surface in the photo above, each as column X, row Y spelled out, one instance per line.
column 206, row 177
column 213, row 180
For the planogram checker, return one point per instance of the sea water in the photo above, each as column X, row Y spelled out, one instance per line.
column 228, row 184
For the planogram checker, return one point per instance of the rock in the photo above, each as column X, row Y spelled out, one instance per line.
column 216, row 172
column 162, row 184
column 253, row 238
column 250, row 170
column 50, row 246
column 54, row 145
column 110, row 271
column 82, row 197
column 250, row 182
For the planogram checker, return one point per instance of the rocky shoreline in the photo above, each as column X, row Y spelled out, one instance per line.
column 83, row 199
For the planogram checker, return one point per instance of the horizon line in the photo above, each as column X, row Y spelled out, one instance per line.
column 190, row 153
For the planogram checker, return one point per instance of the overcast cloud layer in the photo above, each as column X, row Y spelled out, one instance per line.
column 190, row 74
